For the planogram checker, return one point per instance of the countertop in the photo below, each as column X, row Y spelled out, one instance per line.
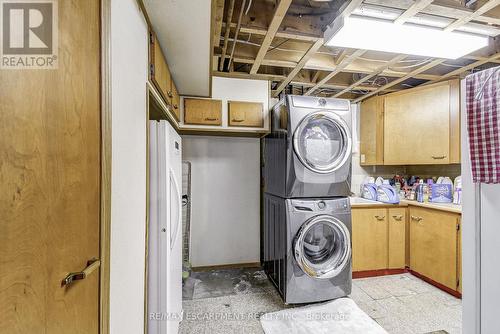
column 358, row 202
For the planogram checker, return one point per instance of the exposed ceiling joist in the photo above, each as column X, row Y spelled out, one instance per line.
column 217, row 22
column 229, row 17
column 337, row 86
column 373, row 74
column 439, row 9
column 312, row 50
column 421, row 69
column 481, row 10
column 417, row 6
column 238, row 26
column 278, row 16
column 343, row 64
column 461, row 70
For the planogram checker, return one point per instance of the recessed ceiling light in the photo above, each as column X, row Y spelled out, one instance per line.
column 381, row 35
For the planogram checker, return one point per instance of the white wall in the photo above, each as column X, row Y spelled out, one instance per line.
column 225, row 190
column 129, row 45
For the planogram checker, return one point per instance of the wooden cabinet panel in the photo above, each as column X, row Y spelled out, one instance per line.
column 417, row 126
column 176, row 109
column 202, row 111
column 433, row 242
column 372, row 131
column 397, row 238
column 369, row 239
column 160, row 74
column 248, row 114
column 459, row 256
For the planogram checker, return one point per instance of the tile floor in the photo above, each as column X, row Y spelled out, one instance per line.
column 231, row 301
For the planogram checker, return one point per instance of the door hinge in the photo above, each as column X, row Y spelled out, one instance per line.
column 151, row 38
column 458, row 226
column 152, row 69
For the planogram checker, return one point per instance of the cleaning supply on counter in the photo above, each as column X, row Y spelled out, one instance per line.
column 369, row 191
column 457, row 194
column 430, row 183
column 379, row 181
column 387, row 194
column 420, row 191
column 442, row 193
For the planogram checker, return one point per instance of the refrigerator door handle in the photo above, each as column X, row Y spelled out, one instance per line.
column 177, row 222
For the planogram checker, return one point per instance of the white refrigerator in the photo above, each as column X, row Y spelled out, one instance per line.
column 165, row 230
column 480, row 245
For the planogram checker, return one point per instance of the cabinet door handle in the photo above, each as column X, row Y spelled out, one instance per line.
column 398, row 217
column 92, row 265
column 238, row 120
column 438, row 157
column 415, row 218
column 210, row 118
column 176, row 106
column 169, row 93
column 380, row 217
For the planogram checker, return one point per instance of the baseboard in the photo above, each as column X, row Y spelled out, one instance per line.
column 436, row 284
column 379, row 272
column 227, row 266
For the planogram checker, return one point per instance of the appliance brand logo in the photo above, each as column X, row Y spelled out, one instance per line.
column 29, row 34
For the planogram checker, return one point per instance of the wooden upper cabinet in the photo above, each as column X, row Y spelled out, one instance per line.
column 372, row 131
column 248, row 114
column 417, row 125
column 176, row 103
column 159, row 72
column 369, row 239
column 434, row 245
column 202, row 111
column 397, row 237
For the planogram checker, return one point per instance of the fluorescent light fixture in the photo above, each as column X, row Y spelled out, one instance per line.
column 381, row 35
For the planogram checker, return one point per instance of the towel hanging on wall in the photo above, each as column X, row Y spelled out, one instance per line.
column 483, row 124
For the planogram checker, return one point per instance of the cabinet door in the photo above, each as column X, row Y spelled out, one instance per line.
column 433, row 242
column 397, row 238
column 202, row 111
column 248, row 114
column 369, row 239
column 372, row 131
column 160, row 74
column 175, row 103
column 417, row 126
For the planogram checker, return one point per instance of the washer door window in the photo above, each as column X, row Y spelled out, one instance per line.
column 323, row 247
column 322, row 142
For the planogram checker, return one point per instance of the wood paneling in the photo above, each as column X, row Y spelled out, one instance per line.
column 433, row 242
column 369, row 239
column 50, row 181
column 202, row 111
column 248, row 114
column 397, row 238
column 372, row 131
column 417, row 126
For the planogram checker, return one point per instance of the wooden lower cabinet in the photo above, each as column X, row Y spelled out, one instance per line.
column 369, row 239
column 434, row 243
column 397, row 238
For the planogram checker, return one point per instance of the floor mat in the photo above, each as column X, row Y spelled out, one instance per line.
column 338, row 316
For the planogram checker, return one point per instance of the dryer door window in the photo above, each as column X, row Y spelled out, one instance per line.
column 322, row 142
column 323, row 247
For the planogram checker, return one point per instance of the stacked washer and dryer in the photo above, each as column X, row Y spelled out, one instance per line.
column 307, row 215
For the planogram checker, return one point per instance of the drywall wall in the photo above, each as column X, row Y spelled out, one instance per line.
column 129, row 47
column 225, row 195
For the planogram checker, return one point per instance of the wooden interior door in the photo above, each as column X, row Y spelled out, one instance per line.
column 50, row 183
column 369, row 239
column 433, row 242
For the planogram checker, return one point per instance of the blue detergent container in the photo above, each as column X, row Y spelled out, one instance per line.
column 369, row 191
column 387, row 194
